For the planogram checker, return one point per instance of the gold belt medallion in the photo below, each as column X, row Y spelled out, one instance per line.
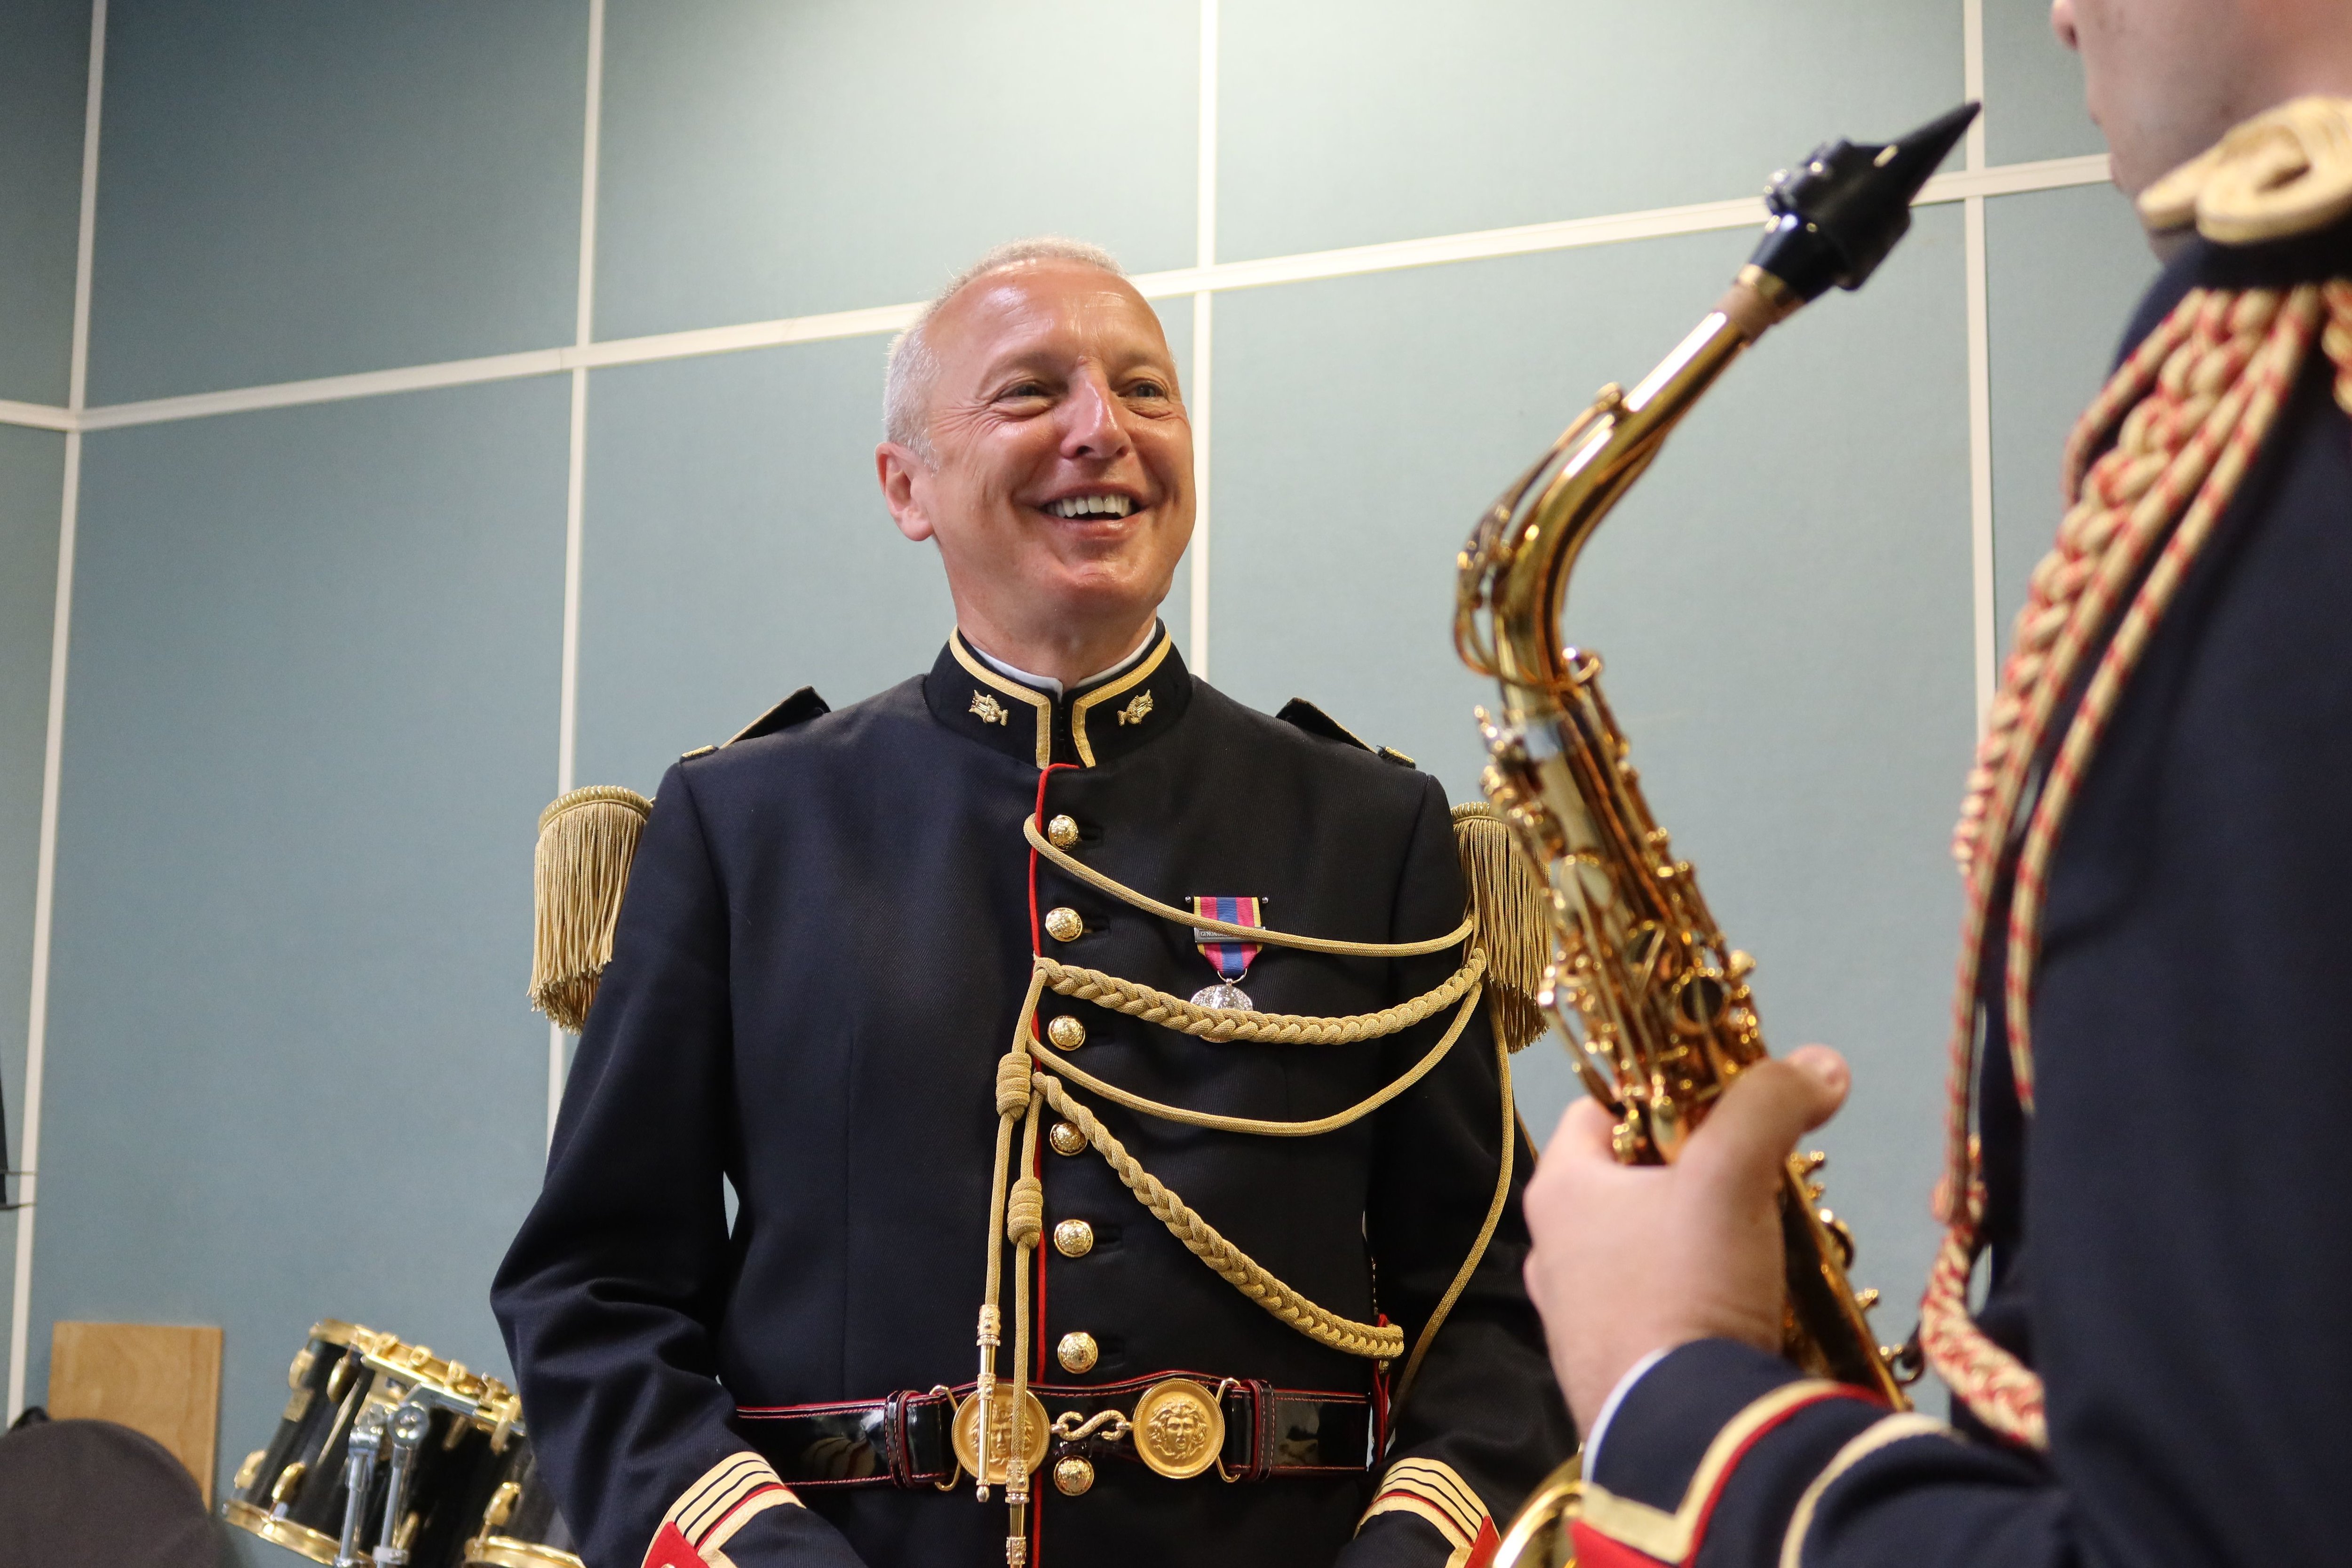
column 1179, row 1428
column 1035, row 1436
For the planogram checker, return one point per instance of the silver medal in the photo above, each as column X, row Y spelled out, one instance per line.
column 1223, row 993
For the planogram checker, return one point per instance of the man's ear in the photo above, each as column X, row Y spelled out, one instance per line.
column 897, row 468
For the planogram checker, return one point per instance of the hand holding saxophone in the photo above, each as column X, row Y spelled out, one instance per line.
column 1629, row 1259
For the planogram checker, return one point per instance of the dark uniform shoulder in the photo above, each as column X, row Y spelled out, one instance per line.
column 798, row 708
column 1304, row 715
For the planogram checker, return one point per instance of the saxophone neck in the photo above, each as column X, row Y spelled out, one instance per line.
column 1611, row 447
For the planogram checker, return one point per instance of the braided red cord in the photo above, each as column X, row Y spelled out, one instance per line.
column 2201, row 392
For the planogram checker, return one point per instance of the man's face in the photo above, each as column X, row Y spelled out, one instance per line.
column 2165, row 78
column 1063, row 473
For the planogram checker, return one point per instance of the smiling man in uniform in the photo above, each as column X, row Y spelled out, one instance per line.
column 1197, row 1222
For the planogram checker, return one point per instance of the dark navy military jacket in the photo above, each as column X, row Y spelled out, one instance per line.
column 827, row 936
column 2172, row 1229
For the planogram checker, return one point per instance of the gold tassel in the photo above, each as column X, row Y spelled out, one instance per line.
column 586, row 840
column 1513, row 910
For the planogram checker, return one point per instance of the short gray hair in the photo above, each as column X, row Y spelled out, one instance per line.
column 912, row 367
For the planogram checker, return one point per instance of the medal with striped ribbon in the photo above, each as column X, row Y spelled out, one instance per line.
column 1231, row 959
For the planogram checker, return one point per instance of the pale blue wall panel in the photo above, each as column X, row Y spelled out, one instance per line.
column 44, row 85
column 2033, row 88
column 2063, row 272
column 1783, row 603
column 762, row 160
column 291, row 189
column 32, row 474
column 737, row 549
column 312, row 720
column 1348, row 121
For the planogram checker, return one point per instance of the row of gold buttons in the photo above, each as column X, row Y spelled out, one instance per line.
column 1061, row 923
column 1077, row 1350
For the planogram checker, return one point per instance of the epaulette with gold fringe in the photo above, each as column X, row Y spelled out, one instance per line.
column 587, row 839
column 1509, row 900
column 1513, row 909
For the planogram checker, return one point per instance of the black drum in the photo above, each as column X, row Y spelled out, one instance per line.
column 293, row 1491
column 464, row 1460
column 519, row 1525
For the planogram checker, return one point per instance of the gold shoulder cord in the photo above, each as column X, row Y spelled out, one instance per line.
column 1016, row 1205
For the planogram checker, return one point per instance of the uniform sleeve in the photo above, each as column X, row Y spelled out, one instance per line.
column 1722, row 1454
column 608, row 1296
column 1484, row 1420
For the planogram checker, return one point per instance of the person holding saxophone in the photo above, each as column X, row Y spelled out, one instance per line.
column 2153, row 1057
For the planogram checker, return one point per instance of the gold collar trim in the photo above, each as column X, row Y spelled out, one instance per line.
column 1042, row 704
column 1110, row 689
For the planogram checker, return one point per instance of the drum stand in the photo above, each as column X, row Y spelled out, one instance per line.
column 409, row 1424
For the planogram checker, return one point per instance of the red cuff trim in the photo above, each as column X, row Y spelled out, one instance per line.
column 671, row 1550
column 1594, row 1550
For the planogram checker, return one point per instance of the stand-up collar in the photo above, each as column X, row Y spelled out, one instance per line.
column 1089, row 725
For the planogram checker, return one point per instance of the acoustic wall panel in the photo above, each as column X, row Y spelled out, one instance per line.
column 32, row 474
column 762, row 160
column 293, row 1074
column 2064, row 269
column 2033, row 88
column 1348, row 121
column 290, row 190
column 1783, row 605
column 737, row 549
column 44, row 88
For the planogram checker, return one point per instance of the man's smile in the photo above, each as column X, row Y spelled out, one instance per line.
column 1097, row 504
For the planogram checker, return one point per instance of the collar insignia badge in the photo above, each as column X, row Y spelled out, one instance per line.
column 1231, row 959
column 990, row 710
column 1138, row 709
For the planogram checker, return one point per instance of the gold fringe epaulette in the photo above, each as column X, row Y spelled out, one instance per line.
column 1512, row 907
column 586, row 840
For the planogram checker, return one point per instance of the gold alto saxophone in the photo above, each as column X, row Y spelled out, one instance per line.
column 1654, row 1003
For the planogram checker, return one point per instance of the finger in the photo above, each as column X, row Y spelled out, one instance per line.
column 1760, row 1117
column 1585, row 1133
column 1831, row 1069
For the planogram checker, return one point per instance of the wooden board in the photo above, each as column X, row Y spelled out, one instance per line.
column 163, row 1382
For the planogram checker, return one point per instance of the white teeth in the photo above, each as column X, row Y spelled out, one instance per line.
column 1086, row 506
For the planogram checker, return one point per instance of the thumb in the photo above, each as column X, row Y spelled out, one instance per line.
column 1766, row 1109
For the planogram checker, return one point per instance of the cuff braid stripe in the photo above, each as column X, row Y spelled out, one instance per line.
column 1436, row 1485
column 1674, row 1537
column 708, row 1514
column 1868, row 1441
column 1478, row 1551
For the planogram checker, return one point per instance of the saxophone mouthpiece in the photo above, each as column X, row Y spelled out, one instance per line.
column 1836, row 216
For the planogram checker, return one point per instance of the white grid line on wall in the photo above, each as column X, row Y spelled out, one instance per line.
column 45, row 875
column 1983, row 632
column 1570, row 234
column 1197, row 403
column 575, row 483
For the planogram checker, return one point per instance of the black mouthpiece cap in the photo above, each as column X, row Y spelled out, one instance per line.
column 1834, row 218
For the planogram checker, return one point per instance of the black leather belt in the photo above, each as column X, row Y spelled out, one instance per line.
column 904, row 1439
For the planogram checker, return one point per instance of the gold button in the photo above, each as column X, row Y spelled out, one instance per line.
column 1062, row 924
column 1074, row 1239
column 1066, row 1139
column 1072, row 1476
column 1061, row 833
column 1077, row 1352
column 1067, row 1033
